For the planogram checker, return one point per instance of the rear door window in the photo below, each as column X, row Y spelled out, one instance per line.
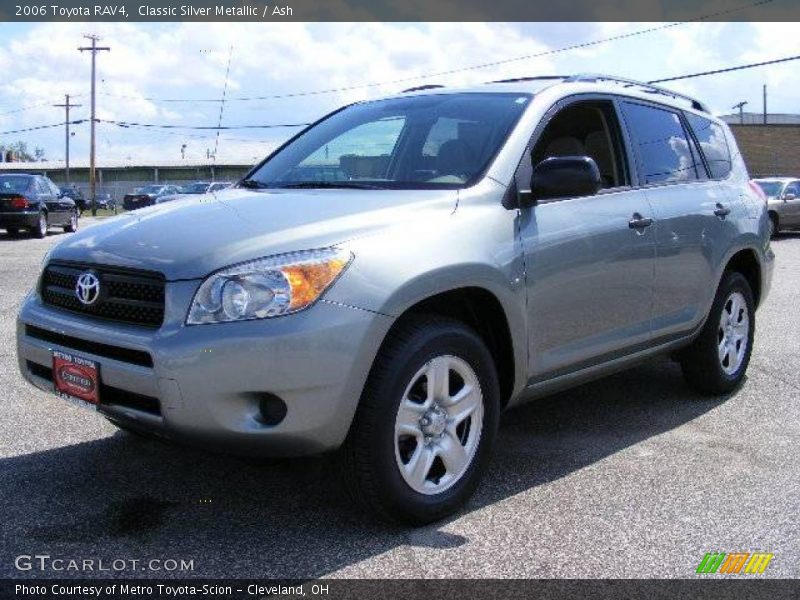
column 713, row 144
column 662, row 146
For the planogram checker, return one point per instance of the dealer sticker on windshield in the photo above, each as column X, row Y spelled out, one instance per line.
column 75, row 378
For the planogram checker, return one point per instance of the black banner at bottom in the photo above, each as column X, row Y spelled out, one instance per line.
column 430, row 589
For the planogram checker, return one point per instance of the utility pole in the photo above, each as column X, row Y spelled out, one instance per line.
column 67, row 106
column 765, row 104
column 94, row 49
column 740, row 106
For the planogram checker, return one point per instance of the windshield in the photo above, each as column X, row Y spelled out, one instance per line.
column 771, row 188
column 14, row 183
column 194, row 188
column 434, row 141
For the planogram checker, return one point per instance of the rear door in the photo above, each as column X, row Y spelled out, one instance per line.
column 693, row 216
column 58, row 207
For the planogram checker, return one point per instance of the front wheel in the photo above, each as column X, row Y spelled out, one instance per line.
column 423, row 433
column 717, row 360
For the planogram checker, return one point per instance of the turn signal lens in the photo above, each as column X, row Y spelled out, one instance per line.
column 307, row 282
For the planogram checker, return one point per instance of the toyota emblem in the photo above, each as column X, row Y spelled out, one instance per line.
column 87, row 288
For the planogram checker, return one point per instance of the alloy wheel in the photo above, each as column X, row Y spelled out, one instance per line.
column 733, row 333
column 438, row 425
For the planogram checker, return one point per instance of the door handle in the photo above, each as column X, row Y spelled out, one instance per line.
column 722, row 211
column 639, row 222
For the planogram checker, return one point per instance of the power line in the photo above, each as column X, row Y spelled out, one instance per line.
column 201, row 127
column 541, row 54
column 25, row 108
column 728, row 69
column 77, row 122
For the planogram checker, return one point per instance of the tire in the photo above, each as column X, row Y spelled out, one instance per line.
column 72, row 226
column 774, row 225
column 708, row 366
column 379, row 448
column 40, row 230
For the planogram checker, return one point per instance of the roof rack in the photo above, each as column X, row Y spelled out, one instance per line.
column 522, row 79
column 420, row 88
column 655, row 89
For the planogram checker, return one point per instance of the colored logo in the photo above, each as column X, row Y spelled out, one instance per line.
column 737, row 562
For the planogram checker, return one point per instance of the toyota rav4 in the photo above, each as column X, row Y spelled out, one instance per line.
column 390, row 279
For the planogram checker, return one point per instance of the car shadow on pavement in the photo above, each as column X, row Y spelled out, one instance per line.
column 24, row 235
column 125, row 497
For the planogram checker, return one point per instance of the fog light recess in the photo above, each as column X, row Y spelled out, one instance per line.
column 271, row 409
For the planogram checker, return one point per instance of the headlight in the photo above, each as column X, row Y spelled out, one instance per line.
column 267, row 287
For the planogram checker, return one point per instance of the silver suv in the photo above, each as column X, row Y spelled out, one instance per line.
column 393, row 277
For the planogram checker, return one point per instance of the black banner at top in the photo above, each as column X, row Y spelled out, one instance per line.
column 398, row 10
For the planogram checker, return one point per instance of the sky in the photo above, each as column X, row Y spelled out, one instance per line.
column 151, row 62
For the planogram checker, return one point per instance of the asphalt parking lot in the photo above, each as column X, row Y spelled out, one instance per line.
column 631, row 476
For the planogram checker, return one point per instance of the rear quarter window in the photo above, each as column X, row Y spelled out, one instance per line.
column 713, row 145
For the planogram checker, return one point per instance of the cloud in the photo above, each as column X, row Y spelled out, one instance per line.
column 40, row 63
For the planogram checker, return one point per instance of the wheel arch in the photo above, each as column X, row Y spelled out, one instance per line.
column 480, row 309
column 746, row 262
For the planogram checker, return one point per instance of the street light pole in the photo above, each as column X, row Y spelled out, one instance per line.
column 94, row 49
column 67, row 106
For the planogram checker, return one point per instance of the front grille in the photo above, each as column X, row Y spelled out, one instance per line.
column 136, row 357
column 128, row 296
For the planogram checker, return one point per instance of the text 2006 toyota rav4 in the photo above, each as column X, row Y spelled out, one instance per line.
column 393, row 277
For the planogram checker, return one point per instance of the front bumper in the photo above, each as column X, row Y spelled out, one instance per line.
column 203, row 382
column 20, row 219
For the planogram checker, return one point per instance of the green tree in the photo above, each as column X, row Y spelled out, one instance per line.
column 21, row 152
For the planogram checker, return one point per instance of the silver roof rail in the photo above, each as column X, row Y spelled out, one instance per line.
column 523, row 79
column 593, row 77
column 420, row 88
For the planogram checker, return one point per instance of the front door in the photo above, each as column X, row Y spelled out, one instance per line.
column 589, row 260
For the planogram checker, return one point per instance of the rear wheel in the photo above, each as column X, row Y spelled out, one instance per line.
column 717, row 360
column 422, row 437
column 40, row 230
column 72, row 225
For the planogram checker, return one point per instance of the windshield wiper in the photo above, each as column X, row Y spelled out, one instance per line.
column 252, row 184
column 333, row 185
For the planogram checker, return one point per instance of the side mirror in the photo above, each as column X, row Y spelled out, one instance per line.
column 565, row 176
column 789, row 196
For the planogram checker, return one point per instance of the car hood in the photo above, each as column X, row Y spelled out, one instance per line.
column 191, row 237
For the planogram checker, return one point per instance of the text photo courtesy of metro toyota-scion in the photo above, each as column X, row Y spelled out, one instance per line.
column 399, row 301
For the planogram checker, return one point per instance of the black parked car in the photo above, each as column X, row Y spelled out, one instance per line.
column 33, row 202
column 147, row 195
column 74, row 192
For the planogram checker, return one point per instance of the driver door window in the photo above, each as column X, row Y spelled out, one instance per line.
column 586, row 129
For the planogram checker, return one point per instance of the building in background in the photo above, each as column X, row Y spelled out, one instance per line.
column 121, row 176
column 769, row 150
